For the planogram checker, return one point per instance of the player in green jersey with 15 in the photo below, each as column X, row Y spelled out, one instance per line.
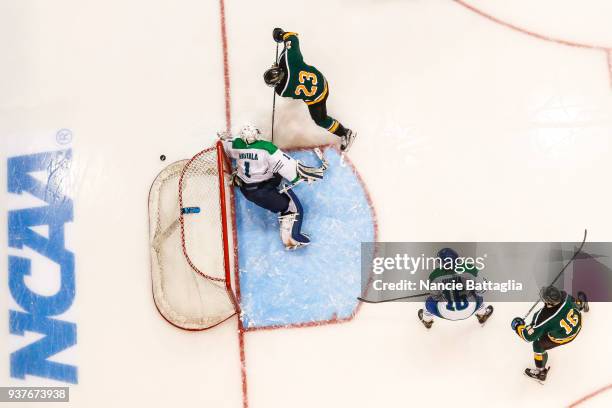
column 292, row 78
column 557, row 323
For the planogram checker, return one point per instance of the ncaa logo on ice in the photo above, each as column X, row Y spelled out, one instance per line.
column 41, row 270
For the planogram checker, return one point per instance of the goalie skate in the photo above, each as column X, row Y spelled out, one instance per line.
column 291, row 237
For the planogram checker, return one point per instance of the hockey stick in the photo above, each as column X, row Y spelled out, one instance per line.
column 157, row 240
column 290, row 186
column 274, row 96
column 392, row 300
column 322, row 159
column 560, row 273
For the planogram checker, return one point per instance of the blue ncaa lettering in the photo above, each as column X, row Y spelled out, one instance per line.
column 39, row 312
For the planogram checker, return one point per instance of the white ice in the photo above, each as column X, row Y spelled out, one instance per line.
column 468, row 131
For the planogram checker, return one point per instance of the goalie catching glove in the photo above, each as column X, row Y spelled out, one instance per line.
column 309, row 174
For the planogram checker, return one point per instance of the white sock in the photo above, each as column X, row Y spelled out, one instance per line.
column 427, row 317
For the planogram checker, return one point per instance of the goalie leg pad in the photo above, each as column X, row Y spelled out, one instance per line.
column 291, row 224
column 266, row 195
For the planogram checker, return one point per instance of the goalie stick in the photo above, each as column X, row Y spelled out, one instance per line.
column 561, row 272
column 159, row 238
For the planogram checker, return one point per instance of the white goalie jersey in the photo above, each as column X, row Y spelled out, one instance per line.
column 260, row 161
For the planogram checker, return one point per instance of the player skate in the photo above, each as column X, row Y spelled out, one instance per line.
column 582, row 302
column 556, row 324
column 482, row 318
column 426, row 323
column 260, row 168
column 453, row 305
column 347, row 140
column 538, row 374
column 293, row 78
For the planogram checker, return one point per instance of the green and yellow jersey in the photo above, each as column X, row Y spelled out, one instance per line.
column 561, row 324
column 302, row 81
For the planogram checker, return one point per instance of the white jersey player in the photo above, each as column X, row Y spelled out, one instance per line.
column 260, row 168
column 454, row 304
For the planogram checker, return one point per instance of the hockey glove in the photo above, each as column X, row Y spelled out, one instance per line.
column 278, row 34
column 224, row 135
column 309, row 174
column 516, row 322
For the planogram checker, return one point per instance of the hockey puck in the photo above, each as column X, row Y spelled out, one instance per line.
column 162, row 157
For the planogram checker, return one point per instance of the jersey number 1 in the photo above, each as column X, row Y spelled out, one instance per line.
column 247, row 168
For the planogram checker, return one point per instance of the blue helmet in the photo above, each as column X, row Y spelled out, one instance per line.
column 446, row 253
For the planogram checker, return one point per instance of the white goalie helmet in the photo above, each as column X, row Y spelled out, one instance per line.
column 249, row 134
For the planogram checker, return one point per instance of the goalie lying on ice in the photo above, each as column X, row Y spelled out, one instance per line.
column 260, row 168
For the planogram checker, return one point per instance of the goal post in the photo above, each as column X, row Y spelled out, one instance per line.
column 189, row 236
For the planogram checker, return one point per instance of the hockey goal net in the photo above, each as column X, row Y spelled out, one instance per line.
column 189, row 239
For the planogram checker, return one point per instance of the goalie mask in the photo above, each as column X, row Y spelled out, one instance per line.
column 249, row 134
column 273, row 76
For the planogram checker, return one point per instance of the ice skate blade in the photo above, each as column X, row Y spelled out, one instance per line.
column 541, row 382
column 295, row 247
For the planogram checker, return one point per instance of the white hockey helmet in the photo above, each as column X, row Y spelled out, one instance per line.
column 249, row 134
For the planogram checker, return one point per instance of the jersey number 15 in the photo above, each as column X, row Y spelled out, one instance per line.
column 569, row 322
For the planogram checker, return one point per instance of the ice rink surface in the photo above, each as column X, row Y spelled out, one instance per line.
column 477, row 121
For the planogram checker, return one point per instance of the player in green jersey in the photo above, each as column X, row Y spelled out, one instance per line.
column 557, row 323
column 292, row 78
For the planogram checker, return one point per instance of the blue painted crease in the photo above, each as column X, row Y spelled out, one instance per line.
column 315, row 283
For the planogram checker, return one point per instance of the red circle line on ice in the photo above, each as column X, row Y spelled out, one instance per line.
column 591, row 395
column 607, row 50
column 226, row 75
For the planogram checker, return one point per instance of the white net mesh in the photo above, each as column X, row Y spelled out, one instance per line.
column 188, row 265
column 202, row 227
